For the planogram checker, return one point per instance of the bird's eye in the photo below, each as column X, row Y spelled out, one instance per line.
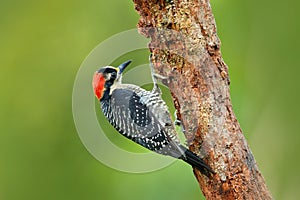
column 113, row 75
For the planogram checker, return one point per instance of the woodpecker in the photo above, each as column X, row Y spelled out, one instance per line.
column 140, row 115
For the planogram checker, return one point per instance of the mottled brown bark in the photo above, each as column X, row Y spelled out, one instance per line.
column 186, row 50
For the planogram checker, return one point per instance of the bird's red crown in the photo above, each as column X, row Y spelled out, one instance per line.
column 98, row 84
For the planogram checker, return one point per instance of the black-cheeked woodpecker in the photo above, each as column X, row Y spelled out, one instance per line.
column 141, row 115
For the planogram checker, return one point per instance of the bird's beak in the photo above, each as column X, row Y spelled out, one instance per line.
column 123, row 66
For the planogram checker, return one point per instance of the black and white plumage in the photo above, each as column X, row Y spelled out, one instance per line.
column 141, row 115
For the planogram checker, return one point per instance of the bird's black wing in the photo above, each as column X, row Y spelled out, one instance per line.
column 137, row 122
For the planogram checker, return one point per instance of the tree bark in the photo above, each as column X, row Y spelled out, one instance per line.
column 186, row 51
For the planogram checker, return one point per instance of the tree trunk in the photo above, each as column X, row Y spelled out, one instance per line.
column 186, row 51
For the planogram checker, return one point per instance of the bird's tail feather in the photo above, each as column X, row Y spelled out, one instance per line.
column 192, row 159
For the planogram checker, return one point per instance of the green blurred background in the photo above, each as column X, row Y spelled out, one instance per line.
column 43, row 44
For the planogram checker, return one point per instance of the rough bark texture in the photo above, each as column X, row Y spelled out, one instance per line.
column 186, row 50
